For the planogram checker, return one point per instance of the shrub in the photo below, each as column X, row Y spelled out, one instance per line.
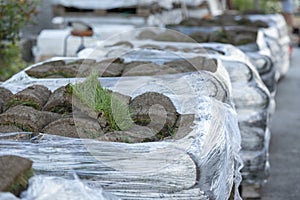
column 267, row 6
column 14, row 14
column 10, row 61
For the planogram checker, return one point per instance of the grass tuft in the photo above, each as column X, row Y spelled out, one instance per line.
column 91, row 94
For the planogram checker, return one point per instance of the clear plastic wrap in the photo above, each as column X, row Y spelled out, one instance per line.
column 56, row 188
column 258, row 50
column 106, row 4
column 211, row 149
column 41, row 187
column 204, row 164
column 7, row 196
column 256, row 45
column 277, row 33
column 250, row 96
column 257, row 166
column 272, row 26
column 252, row 101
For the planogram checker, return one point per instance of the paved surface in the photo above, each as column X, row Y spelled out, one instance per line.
column 284, row 182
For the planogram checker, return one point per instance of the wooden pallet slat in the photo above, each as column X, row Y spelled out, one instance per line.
column 60, row 10
column 251, row 191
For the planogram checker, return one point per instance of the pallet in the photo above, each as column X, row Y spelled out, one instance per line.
column 141, row 11
column 60, row 10
column 250, row 191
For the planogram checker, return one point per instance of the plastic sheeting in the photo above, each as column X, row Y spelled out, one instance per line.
column 51, row 42
column 203, row 164
column 56, row 188
column 277, row 38
column 260, row 49
column 241, row 71
column 103, row 24
column 212, row 145
column 107, row 4
column 250, row 96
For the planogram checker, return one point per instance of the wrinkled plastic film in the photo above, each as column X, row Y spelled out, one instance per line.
column 94, row 4
column 252, row 101
column 210, row 157
column 215, row 131
column 257, row 166
column 41, row 187
column 59, row 156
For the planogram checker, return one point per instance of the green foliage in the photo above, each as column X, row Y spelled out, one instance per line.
column 271, row 6
column 15, row 14
column 91, row 94
column 267, row 6
column 10, row 60
column 243, row 5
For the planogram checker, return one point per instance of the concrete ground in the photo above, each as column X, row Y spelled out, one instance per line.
column 284, row 181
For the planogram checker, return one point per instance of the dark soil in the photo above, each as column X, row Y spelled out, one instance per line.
column 15, row 172
column 153, row 115
column 116, row 67
column 59, row 69
column 156, row 111
column 223, row 20
column 134, row 135
column 5, row 94
column 60, row 101
column 9, row 129
column 27, row 118
column 74, row 127
column 34, row 96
